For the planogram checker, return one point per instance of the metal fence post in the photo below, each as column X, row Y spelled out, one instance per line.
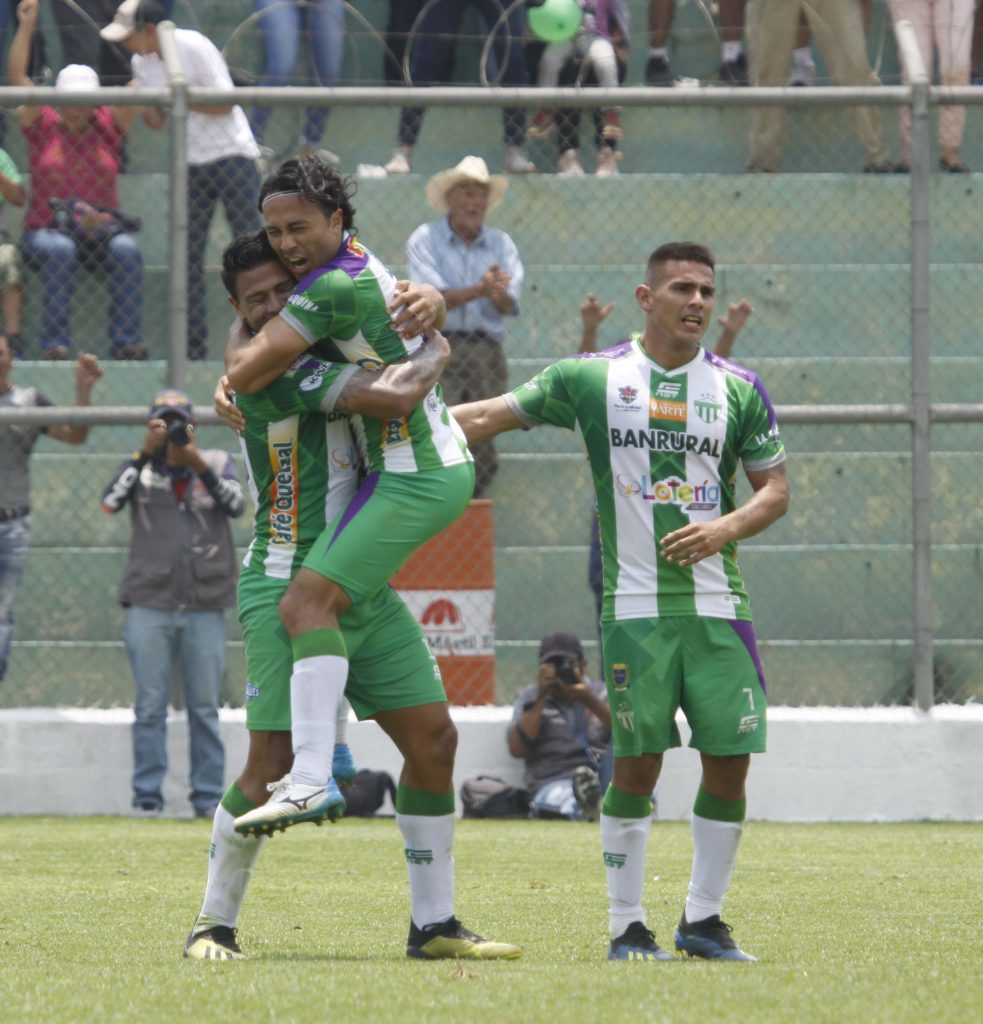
column 921, row 384
column 177, row 280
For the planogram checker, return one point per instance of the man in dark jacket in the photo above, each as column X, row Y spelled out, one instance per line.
column 179, row 579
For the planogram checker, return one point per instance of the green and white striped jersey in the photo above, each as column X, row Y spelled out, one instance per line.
column 663, row 447
column 342, row 309
column 302, row 468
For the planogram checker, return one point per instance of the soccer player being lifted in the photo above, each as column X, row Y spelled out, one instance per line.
column 666, row 424
column 303, row 471
column 421, row 474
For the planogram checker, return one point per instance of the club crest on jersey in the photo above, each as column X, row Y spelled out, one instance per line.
column 707, row 408
column 620, row 676
column 627, row 394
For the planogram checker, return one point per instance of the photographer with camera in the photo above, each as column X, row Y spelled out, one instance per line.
column 179, row 579
column 561, row 726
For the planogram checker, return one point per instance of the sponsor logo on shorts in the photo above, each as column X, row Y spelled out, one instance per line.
column 625, row 716
column 313, row 382
column 748, row 723
column 419, row 856
column 620, row 676
column 252, row 691
column 614, row 860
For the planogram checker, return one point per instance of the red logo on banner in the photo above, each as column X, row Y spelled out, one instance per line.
column 441, row 613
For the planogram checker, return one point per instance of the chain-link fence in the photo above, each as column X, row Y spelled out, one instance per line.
column 863, row 331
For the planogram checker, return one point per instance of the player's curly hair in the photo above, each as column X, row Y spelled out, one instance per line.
column 317, row 182
column 245, row 253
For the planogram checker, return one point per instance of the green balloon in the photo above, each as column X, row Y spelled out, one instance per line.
column 556, row 21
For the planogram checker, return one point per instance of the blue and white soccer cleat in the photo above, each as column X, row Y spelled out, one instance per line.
column 342, row 763
column 291, row 803
column 637, row 943
column 709, row 939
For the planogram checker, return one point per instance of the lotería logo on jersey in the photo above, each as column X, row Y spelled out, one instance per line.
column 707, row 408
column 703, row 497
column 341, row 459
column 668, row 389
column 620, row 676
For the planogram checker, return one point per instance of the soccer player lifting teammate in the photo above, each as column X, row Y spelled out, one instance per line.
column 420, row 478
column 303, row 471
column 666, row 424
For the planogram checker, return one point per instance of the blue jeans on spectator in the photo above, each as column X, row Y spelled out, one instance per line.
column 15, row 537
column 57, row 257
column 155, row 640
column 431, row 53
column 235, row 181
column 322, row 22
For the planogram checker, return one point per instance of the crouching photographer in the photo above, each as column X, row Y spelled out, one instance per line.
column 180, row 577
column 561, row 727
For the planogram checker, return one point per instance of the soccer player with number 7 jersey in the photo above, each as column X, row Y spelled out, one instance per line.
column 666, row 425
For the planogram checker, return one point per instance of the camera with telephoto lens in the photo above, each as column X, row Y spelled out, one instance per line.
column 178, row 432
column 566, row 668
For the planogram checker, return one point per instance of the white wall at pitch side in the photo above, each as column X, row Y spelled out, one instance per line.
column 823, row 764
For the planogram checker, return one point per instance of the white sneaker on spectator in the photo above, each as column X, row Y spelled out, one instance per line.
column 516, row 161
column 400, row 161
column 569, row 165
column 607, row 162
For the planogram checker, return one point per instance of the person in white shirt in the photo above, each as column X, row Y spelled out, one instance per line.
column 221, row 149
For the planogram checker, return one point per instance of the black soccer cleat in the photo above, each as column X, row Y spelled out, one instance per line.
column 637, row 943
column 709, row 939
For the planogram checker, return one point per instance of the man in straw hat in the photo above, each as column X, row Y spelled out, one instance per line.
column 478, row 270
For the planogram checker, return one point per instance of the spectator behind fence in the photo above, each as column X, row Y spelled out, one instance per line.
column 733, row 62
column 561, row 727
column 11, row 292
column 479, row 273
column 79, row 23
column 221, row 149
column 430, row 38
column 74, row 153
column 949, row 23
column 17, row 442
column 179, row 578
column 837, row 26
column 283, row 23
column 597, row 55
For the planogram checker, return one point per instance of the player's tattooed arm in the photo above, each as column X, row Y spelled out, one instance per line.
column 398, row 389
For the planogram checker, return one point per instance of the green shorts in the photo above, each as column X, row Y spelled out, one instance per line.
column 390, row 662
column 708, row 667
column 388, row 519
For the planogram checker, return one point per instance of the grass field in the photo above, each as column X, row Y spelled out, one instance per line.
column 867, row 923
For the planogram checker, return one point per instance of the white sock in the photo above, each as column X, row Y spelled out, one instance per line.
column 230, row 866
column 341, row 725
column 316, row 686
column 731, row 50
column 623, row 845
column 659, row 51
column 802, row 58
column 428, row 840
column 714, row 855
